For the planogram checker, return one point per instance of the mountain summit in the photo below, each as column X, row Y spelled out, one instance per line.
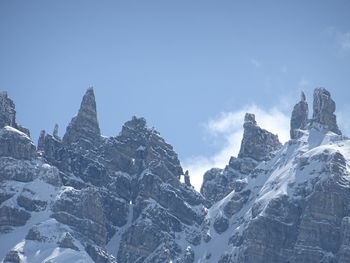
column 91, row 198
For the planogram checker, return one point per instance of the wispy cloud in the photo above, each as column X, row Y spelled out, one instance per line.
column 227, row 130
column 304, row 83
column 342, row 39
column 256, row 63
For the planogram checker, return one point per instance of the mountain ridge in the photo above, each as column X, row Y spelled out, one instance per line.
column 90, row 198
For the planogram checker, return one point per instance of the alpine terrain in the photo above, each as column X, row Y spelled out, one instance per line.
column 84, row 197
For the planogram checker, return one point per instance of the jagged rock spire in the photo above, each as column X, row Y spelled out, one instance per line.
column 85, row 125
column 55, row 132
column 7, row 111
column 41, row 141
column 257, row 143
column 187, row 178
column 8, row 114
column 324, row 108
column 299, row 118
column 249, row 119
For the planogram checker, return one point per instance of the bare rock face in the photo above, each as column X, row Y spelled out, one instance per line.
column 299, row 118
column 257, row 143
column 83, row 128
column 12, row 216
column 55, row 132
column 7, row 111
column 324, row 108
column 16, row 144
column 8, row 114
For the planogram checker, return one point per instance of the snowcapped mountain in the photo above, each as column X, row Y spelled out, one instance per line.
column 90, row 198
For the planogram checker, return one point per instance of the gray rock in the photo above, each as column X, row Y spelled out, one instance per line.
column 221, row 224
column 41, row 140
column 16, row 144
column 8, row 114
column 83, row 128
column 12, row 257
column 257, row 143
column 299, row 118
column 31, row 204
column 84, row 211
column 189, row 255
column 187, row 179
column 7, row 111
column 68, row 242
column 99, row 255
column 323, row 110
column 12, row 216
column 35, row 235
column 55, row 132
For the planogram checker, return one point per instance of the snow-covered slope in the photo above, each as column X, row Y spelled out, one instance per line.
column 271, row 213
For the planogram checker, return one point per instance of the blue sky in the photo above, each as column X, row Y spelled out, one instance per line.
column 186, row 66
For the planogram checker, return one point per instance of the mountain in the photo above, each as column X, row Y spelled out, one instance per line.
column 90, row 198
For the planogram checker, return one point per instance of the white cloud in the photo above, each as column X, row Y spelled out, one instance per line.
column 342, row 39
column 256, row 63
column 227, row 130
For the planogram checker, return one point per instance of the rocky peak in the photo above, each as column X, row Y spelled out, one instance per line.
column 8, row 114
column 249, row 119
column 324, row 108
column 187, row 178
column 7, row 111
column 41, row 140
column 55, row 132
column 299, row 118
column 84, row 126
column 257, row 143
column 136, row 124
column 146, row 147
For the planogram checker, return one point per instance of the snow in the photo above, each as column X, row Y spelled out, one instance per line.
column 113, row 245
column 13, row 130
column 141, row 148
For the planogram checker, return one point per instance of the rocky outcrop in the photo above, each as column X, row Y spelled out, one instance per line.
column 323, row 110
column 68, row 242
column 7, row 111
column 257, row 143
column 12, row 216
column 55, row 132
column 83, row 128
column 299, row 119
column 13, row 257
column 16, row 144
column 8, row 114
column 84, row 211
column 187, row 179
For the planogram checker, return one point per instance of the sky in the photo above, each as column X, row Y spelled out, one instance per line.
column 191, row 68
